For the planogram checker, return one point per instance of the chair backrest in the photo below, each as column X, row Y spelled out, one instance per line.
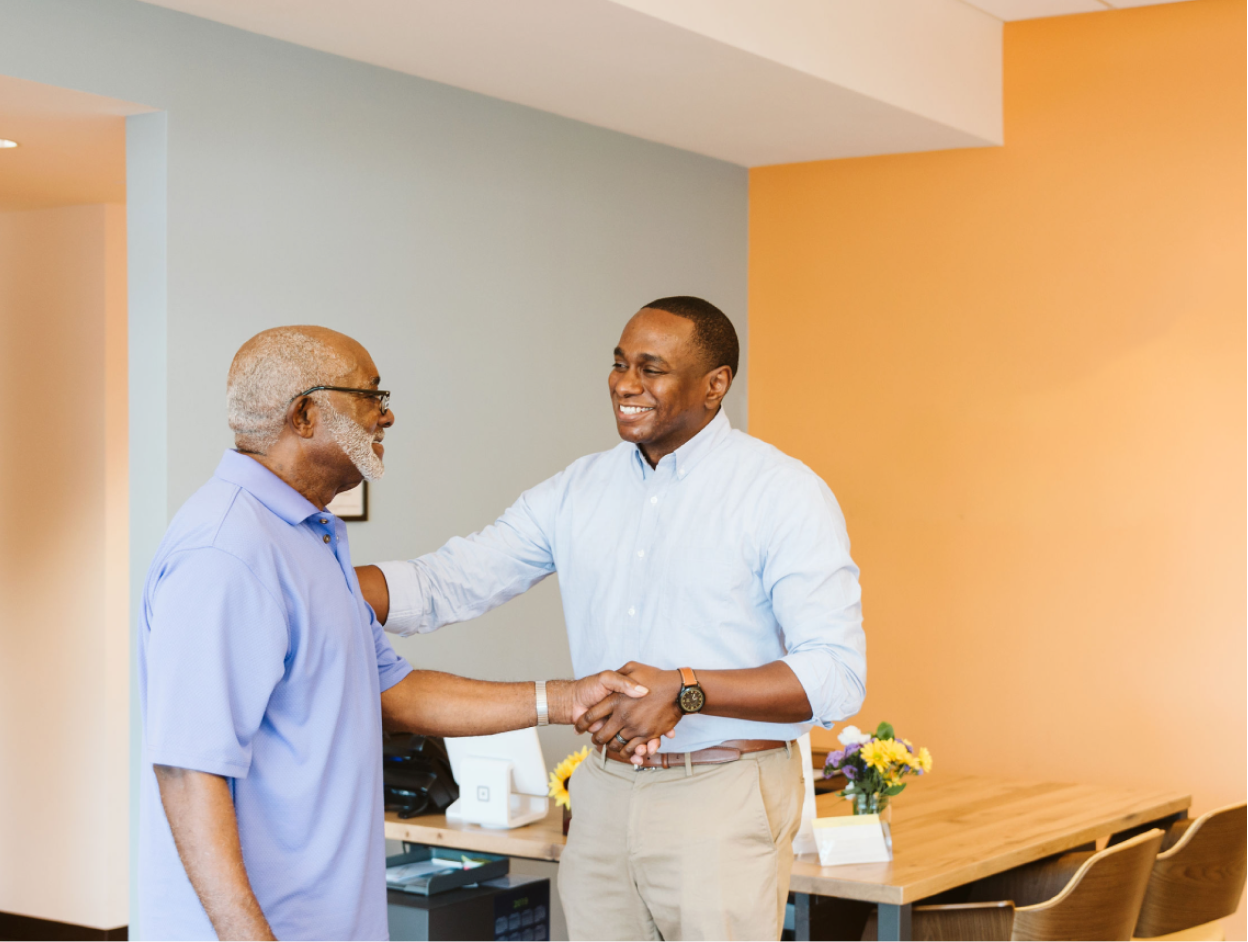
column 968, row 922
column 1199, row 879
column 1101, row 901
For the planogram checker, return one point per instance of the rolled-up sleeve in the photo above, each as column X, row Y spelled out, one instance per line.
column 471, row 575
column 813, row 585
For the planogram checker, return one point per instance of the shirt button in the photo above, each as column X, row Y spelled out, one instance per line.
column 682, row 472
column 632, row 611
column 654, row 500
column 641, row 553
column 325, row 538
column 323, row 520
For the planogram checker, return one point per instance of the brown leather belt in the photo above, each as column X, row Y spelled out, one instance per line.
column 729, row 751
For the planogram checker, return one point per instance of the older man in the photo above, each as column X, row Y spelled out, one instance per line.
column 265, row 679
column 723, row 563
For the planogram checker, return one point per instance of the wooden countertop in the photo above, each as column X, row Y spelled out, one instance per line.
column 947, row 830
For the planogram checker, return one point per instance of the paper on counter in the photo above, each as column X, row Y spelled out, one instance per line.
column 852, row 839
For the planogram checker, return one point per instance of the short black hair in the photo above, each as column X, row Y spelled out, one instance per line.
column 712, row 331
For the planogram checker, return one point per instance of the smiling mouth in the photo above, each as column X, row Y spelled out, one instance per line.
column 635, row 410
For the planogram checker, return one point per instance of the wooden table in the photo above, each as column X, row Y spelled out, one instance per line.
column 948, row 830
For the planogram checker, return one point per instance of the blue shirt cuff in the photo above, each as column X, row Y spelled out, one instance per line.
column 408, row 612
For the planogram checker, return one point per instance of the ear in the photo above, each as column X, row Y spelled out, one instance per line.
column 301, row 416
column 719, row 381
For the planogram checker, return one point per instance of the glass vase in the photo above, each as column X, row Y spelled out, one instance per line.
column 873, row 804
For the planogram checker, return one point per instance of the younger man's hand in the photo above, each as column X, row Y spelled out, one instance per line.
column 638, row 722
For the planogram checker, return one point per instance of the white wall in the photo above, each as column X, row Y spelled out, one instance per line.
column 63, row 568
column 487, row 254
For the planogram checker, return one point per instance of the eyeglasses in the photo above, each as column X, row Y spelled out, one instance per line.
column 381, row 395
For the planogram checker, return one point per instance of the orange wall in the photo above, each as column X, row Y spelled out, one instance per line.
column 1022, row 371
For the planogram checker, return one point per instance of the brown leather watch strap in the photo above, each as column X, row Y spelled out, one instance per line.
column 687, row 677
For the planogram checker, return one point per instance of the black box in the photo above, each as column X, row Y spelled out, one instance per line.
column 511, row 907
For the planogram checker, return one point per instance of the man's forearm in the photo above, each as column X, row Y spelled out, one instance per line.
column 448, row 705
column 438, row 704
column 769, row 694
column 205, row 832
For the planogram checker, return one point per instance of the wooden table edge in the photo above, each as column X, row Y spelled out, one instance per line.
column 535, row 843
column 825, row 884
column 519, row 842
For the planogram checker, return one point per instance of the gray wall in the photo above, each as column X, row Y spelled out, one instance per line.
column 486, row 253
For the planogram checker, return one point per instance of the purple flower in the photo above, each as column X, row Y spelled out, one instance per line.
column 851, row 749
column 849, row 772
column 836, row 758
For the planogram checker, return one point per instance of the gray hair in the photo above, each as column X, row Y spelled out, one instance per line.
column 268, row 371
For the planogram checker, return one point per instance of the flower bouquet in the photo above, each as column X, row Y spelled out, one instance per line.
column 559, row 779
column 874, row 765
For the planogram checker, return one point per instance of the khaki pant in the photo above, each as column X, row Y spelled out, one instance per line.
column 663, row 854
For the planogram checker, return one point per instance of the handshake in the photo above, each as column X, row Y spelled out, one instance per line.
column 628, row 710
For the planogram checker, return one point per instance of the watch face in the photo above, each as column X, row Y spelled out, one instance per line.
column 691, row 699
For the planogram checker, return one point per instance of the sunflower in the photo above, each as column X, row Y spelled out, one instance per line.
column 563, row 771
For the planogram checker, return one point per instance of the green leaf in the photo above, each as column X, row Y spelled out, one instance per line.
column 884, row 731
column 895, row 790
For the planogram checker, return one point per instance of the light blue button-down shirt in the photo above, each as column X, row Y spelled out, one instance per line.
column 259, row 661
column 728, row 554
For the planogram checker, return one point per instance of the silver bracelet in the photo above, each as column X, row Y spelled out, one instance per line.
column 543, row 713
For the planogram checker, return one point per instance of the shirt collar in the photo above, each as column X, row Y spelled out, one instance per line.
column 697, row 448
column 265, row 486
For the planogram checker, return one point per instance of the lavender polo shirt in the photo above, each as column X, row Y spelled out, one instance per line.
column 259, row 661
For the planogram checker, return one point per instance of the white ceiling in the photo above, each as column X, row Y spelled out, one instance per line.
column 748, row 82
column 1035, row 9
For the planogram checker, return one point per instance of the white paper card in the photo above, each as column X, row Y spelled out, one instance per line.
column 804, row 843
column 853, row 839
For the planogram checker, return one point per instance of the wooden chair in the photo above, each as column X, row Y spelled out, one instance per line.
column 1198, row 877
column 1073, row 896
column 973, row 922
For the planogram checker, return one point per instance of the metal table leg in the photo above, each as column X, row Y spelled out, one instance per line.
column 801, row 917
column 826, row 917
column 894, row 921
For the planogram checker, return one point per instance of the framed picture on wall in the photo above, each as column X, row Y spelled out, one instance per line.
column 352, row 504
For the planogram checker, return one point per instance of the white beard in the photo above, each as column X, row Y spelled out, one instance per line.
column 356, row 444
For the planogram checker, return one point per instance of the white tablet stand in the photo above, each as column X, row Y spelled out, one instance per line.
column 501, row 779
column 487, row 797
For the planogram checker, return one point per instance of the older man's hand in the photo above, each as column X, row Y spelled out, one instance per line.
column 632, row 726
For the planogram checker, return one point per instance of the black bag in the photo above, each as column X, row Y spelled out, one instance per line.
column 417, row 774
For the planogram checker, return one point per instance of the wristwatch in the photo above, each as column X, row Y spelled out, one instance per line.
column 691, row 699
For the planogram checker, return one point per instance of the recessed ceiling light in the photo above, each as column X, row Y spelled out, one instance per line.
column 6, row 143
